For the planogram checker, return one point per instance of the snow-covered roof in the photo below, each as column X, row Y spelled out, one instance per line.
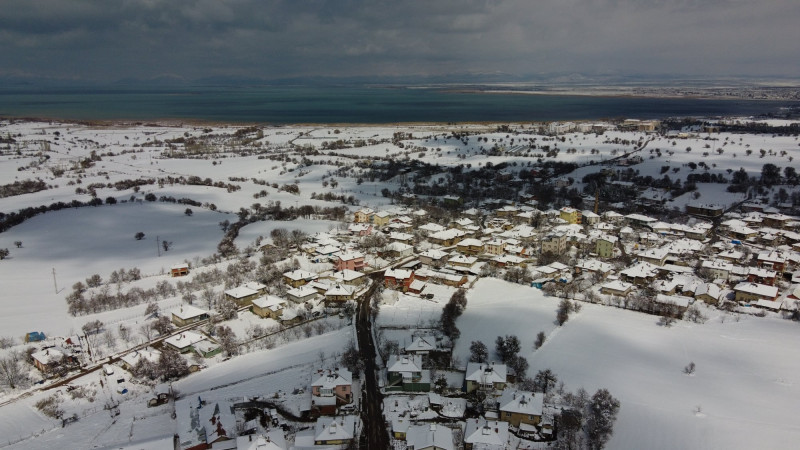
column 486, row 434
column 302, row 292
column 186, row 312
column 521, row 402
column 270, row 301
column 347, row 275
column 678, row 300
column 240, row 292
column 486, row 373
column 434, row 254
column 399, row 274
column 421, row 343
column 132, row 358
column 339, row 428
column 340, row 290
column 184, row 339
column 297, row 275
column 404, row 363
column 330, row 379
column 617, row 285
column 430, row 436
column 757, row 289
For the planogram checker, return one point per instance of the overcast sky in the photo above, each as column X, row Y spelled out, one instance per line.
column 109, row 40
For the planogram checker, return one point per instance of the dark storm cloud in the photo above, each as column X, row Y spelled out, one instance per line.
column 270, row 39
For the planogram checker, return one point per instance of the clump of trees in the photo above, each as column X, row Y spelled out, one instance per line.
column 170, row 365
column 451, row 311
column 478, row 352
column 564, row 309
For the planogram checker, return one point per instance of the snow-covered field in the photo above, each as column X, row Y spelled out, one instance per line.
column 744, row 393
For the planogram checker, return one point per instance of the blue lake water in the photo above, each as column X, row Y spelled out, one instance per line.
column 340, row 104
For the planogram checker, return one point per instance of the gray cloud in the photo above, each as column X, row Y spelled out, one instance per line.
column 273, row 39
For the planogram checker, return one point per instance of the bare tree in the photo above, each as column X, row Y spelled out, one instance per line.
column 227, row 339
column 11, row 371
column 540, row 338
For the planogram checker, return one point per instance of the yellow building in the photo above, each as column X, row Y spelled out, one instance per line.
column 571, row 215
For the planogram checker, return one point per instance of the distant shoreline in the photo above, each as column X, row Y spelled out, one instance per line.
column 394, row 105
column 617, row 94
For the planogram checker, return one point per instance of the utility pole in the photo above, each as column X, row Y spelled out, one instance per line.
column 55, row 285
column 158, row 247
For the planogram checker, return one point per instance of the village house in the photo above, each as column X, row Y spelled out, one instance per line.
column 446, row 238
column 779, row 221
column 555, row 243
column 331, row 389
column 396, row 249
column 495, row 247
column 482, row 434
column 429, row 437
column 184, row 342
column 202, row 425
column 655, row 256
column 271, row 440
column 188, row 315
column 268, row 307
column 405, row 238
column 179, row 270
column 359, row 229
column 398, row 279
column 508, row 261
column 717, row 269
column 571, row 215
column 431, row 228
column 470, row 246
column 302, row 294
column 352, row 260
column 207, row 348
column 433, row 257
column 773, row 260
column 761, row 276
column 485, row 376
column 349, row 277
column 594, row 266
column 730, row 255
column 242, row 295
column 678, row 302
column 617, row 288
column 462, row 262
column 52, row 359
column 363, row 215
column 421, row 345
column 640, row 274
column 382, row 218
column 589, row 217
column 446, row 277
column 339, row 294
column 520, row 407
column 604, row 246
column 162, row 392
column 405, row 373
column 131, row 359
column 709, row 293
column 333, row 432
column 297, row 278
column 640, row 221
column 752, row 292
